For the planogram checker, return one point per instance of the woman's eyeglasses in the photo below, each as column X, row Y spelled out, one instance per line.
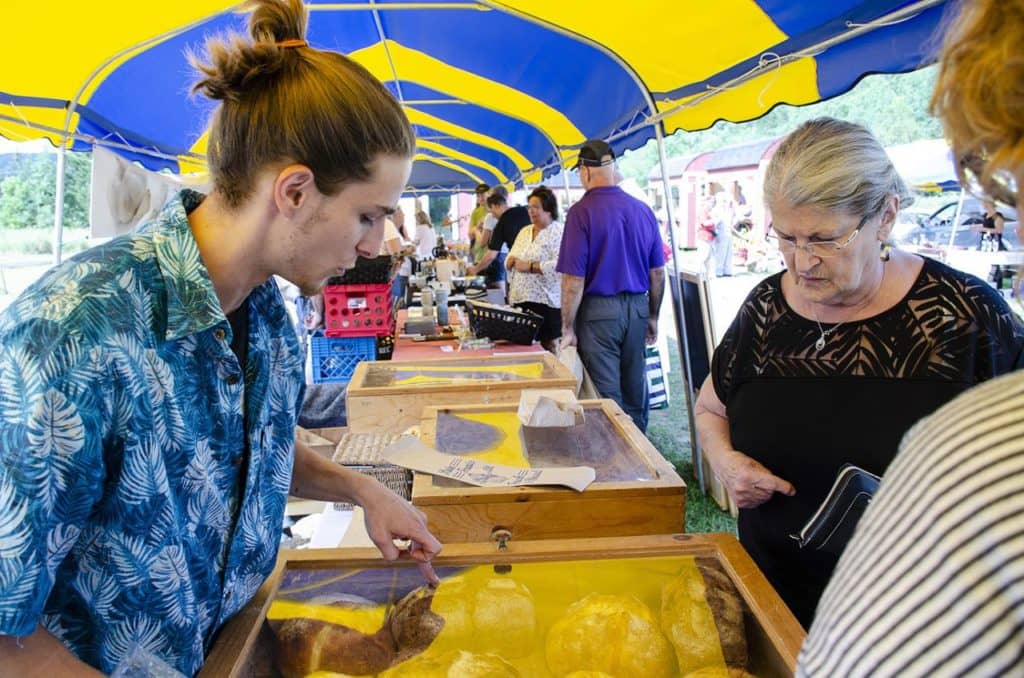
column 815, row 248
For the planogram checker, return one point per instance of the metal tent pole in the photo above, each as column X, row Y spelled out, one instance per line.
column 568, row 192
column 956, row 218
column 677, row 307
column 58, row 204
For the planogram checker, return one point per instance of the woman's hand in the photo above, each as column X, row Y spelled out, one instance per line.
column 510, row 262
column 748, row 482
column 523, row 266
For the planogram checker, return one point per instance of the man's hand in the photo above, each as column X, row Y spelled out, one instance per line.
column 389, row 518
column 652, row 331
column 568, row 339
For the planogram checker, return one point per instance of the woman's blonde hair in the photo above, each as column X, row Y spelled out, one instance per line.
column 979, row 93
column 283, row 102
column 833, row 165
column 423, row 218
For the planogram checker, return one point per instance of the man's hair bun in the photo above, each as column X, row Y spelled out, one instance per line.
column 237, row 64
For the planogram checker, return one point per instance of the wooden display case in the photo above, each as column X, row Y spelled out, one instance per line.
column 389, row 396
column 556, row 573
column 636, row 490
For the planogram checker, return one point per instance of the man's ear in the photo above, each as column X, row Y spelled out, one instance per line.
column 294, row 190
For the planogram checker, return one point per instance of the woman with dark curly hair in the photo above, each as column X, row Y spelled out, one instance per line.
column 535, row 285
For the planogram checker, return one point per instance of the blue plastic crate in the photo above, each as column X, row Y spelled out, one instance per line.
column 334, row 360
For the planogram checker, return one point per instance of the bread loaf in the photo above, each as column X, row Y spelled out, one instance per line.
column 308, row 645
column 699, row 640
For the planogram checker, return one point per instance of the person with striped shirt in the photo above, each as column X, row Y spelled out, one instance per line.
column 932, row 584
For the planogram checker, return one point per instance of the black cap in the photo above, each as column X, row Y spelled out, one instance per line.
column 482, row 188
column 592, row 153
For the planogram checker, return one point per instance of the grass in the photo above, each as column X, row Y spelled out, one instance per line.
column 15, row 241
column 668, row 430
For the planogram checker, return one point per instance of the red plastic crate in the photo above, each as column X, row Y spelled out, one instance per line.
column 358, row 310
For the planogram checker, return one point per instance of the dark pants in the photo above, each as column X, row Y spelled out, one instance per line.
column 612, row 337
column 552, row 327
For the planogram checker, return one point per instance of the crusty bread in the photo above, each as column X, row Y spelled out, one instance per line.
column 699, row 641
column 308, row 645
column 719, row 672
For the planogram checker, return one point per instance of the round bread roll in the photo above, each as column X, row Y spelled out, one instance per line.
column 454, row 603
column 613, row 634
column 454, row 664
column 719, row 672
column 699, row 640
column 504, row 618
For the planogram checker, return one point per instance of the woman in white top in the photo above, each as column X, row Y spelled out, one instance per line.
column 396, row 243
column 535, row 285
column 426, row 236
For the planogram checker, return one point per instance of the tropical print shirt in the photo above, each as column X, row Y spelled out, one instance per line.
column 130, row 512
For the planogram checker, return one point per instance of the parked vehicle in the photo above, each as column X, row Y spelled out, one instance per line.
column 916, row 229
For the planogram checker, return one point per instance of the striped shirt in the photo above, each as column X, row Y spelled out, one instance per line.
column 932, row 584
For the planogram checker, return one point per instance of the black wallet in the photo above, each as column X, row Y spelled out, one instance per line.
column 832, row 525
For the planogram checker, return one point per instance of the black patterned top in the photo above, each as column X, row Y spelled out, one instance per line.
column 804, row 412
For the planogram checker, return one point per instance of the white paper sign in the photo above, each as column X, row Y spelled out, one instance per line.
column 410, row 453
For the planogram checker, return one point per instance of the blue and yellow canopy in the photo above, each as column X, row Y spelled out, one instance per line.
column 498, row 92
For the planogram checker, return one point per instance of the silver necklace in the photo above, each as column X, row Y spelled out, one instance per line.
column 820, row 343
column 823, row 333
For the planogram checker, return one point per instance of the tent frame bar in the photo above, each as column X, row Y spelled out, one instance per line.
column 684, row 351
column 336, row 7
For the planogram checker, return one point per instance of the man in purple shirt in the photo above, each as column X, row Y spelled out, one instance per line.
column 613, row 276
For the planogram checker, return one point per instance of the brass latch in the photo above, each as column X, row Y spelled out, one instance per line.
column 503, row 536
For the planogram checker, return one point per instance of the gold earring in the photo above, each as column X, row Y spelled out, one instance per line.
column 885, row 253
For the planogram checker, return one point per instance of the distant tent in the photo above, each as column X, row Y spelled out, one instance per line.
column 926, row 165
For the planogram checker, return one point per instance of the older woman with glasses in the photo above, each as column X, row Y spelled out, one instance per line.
column 832, row 360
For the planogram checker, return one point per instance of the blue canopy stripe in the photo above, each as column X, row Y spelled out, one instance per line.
column 498, row 92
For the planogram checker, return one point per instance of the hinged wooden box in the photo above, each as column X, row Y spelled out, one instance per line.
column 389, row 396
column 636, row 490
column 629, row 606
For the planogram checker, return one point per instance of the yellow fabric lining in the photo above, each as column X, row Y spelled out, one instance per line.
column 436, row 375
column 795, row 83
column 549, row 588
column 509, row 449
column 424, row 69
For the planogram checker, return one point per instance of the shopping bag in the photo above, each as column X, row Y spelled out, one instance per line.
column 657, row 386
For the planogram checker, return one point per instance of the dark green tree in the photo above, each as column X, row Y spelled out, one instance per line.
column 438, row 208
column 27, row 191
